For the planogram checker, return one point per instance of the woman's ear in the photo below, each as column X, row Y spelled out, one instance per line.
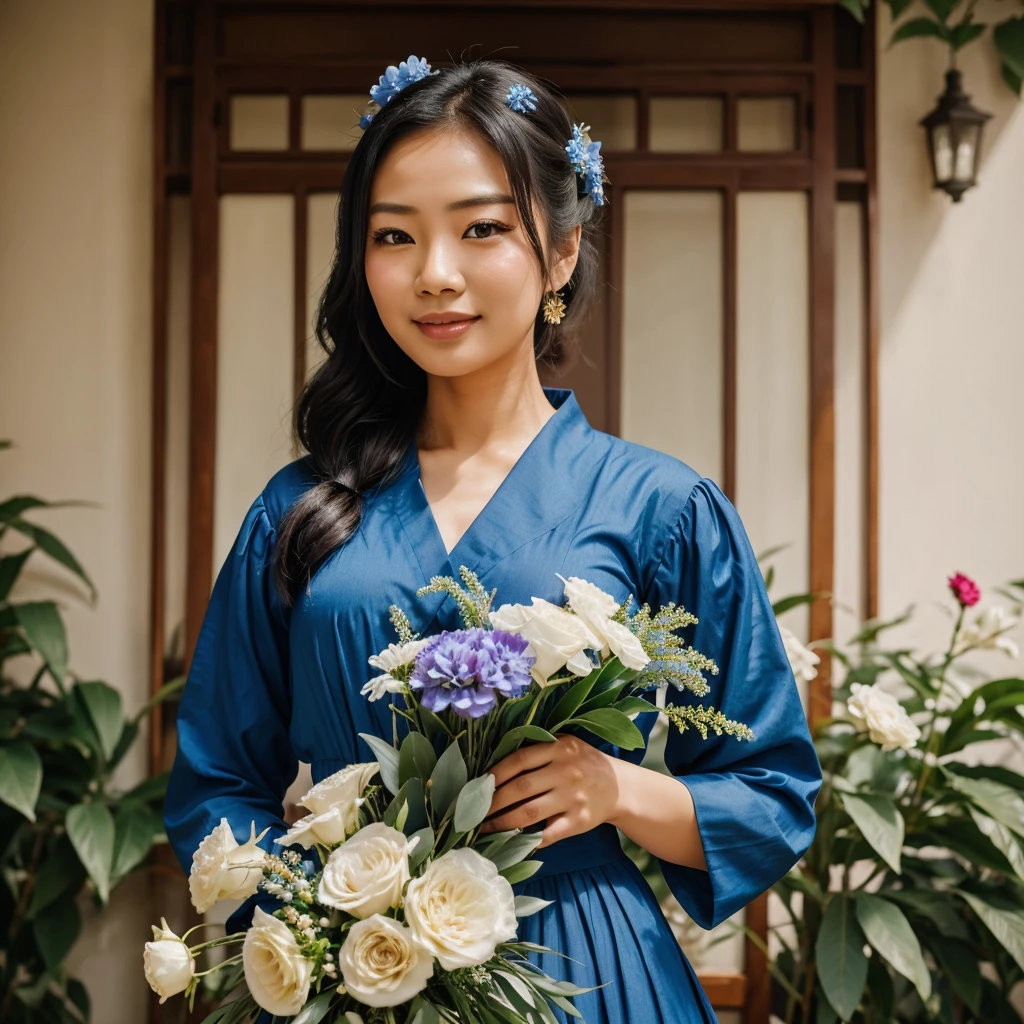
column 569, row 252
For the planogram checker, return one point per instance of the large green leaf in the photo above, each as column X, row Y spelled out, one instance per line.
column 920, row 27
column 60, row 872
column 1006, row 925
column 316, row 1009
column 573, row 697
column 942, row 9
column 514, row 738
column 881, row 824
column 996, row 696
column 473, row 802
column 1009, row 39
column 56, row 928
column 448, row 778
column 611, row 725
column 10, row 569
column 938, row 909
column 102, row 704
column 995, row 799
column 898, row 7
column 56, row 549
column 415, row 758
column 387, row 758
column 91, row 831
column 44, row 630
column 889, row 932
column 1002, row 839
column 135, row 828
column 959, row 963
column 21, row 775
column 839, row 953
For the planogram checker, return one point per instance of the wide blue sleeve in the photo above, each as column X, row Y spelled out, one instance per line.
column 234, row 759
column 754, row 800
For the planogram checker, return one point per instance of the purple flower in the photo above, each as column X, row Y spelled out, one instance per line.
column 468, row 668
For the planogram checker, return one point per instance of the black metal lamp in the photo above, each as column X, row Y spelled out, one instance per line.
column 954, row 138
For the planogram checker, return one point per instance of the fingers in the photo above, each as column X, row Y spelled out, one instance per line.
column 560, row 826
column 525, row 786
column 529, row 813
column 524, row 759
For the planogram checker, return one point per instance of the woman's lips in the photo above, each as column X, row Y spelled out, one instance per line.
column 442, row 331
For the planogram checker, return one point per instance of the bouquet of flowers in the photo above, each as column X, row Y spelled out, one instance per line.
column 402, row 909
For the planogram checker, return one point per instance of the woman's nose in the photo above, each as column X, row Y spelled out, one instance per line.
column 440, row 269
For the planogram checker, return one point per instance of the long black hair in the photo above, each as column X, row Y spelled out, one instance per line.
column 361, row 409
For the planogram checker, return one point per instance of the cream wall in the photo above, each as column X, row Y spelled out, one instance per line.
column 952, row 346
column 75, row 118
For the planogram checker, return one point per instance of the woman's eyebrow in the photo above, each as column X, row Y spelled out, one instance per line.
column 460, row 204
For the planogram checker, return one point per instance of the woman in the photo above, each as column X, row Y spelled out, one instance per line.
column 432, row 444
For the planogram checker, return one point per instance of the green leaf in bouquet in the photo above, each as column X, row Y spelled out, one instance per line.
column 639, row 705
column 1006, row 925
column 410, row 798
column 415, row 758
column 102, row 704
column 573, row 697
column 514, row 738
column 387, row 757
column 881, row 824
column 473, row 802
column 889, row 933
column 603, row 695
column 448, row 778
column 426, row 1014
column 421, row 851
column 21, row 775
column 44, row 630
column 56, row 928
column 91, row 831
column 521, row 871
column 527, row 905
column 513, row 850
column 612, row 726
column 995, row 799
column 839, row 953
column 316, row 1009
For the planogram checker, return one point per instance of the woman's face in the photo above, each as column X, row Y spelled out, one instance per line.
column 444, row 238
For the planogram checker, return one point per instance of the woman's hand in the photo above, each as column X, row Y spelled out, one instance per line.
column 569, row 782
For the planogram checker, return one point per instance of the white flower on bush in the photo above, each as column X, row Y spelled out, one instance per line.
column 987, row 632
column 596, row 609
column 223, row 870
column 367, row 874
column 381, row 962
column 334, row 806
column 276, row 972
column 802, row 660
column 394, row 656
column 885, row 718
column 557, row 638
column 460, row 908
column 167, row 962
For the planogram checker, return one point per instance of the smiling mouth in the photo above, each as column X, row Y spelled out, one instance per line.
column 441, row 323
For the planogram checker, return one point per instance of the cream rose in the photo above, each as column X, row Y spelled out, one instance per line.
column 394, row 656
column 885, row 718
column 222, row 870
column 366, row 875
column 167, row 962
column 460, row 908
column 557, row 637
column 802, row 660
column 382, row 964
column 596, row 608
column 987, row 632
column 334, row 803
column 276, row 972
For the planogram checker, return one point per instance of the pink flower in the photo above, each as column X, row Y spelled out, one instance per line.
column 965, row 590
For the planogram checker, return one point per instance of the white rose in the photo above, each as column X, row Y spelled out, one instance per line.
column 382, row 964
column 986, row 632
column 223, row 870
column 394, row 656
column 276, row 972
column 167, row 962
column 366, row 875
column 802, row 659
column 885, row 718
column 460, row 908
column 557, row 637
column 596, row 608
column 334, row 803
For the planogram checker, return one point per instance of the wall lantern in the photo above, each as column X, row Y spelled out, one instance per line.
column 954, row 138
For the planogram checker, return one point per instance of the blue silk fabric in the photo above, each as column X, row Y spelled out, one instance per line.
column 269, row 686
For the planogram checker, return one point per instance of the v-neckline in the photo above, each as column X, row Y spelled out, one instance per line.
column 496, row 495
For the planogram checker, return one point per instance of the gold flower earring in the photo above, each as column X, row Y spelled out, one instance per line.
column 554, row 308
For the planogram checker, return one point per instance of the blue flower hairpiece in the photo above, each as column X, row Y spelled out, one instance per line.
column 393, row 81
column 585, row 157
column 521, row 98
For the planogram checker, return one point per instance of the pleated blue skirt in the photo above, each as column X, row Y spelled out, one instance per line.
column 606, row 918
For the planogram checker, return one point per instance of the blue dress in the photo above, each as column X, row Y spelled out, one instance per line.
column 269, row 686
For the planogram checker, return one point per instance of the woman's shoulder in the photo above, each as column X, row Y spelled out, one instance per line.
column 286, row 486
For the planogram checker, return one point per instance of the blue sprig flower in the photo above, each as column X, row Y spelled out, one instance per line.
column 468, row 668
column 585, row 157
column 393, row 81
column 521, row 98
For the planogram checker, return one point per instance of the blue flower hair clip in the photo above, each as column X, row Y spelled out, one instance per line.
column 521, row 98
column 393, row 81
column 585, row 157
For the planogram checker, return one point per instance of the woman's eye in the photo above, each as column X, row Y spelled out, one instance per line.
column 490, row 227
column 379, row 236
column 488, row 224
